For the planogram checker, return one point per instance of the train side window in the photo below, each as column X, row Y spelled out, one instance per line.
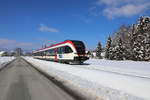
column 65, row 49
column 47, row 53
column 68, row 49
column 42, row 53
column 62, row 50
column 59, row 51
column 39, row 54
column 52, row 52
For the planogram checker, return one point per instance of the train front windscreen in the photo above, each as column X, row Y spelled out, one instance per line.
column 79, row 45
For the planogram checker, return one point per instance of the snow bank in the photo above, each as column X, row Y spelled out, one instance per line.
column 5, row 60
column 102, row 79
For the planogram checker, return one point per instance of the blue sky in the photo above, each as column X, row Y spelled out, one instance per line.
column 31, row 23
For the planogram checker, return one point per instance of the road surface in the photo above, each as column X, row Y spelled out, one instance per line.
column 19, row 81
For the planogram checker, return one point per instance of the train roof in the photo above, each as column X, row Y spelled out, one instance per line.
column 53, row 45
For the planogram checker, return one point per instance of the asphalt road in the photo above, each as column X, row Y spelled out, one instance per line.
column 19, row 81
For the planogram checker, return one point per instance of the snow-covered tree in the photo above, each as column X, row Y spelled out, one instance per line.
column 145, row 22
column 99, row 50
column 119, row 51
column 141, row 40
column 135, row 40
column 108, row 49
column 124, row 33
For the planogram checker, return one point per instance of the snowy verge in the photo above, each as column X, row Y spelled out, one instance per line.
column 130, row 68
column 5, row 60
column 96, row 84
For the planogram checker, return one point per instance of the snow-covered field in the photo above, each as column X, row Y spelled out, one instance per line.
column 5, row 60
column 102, row 79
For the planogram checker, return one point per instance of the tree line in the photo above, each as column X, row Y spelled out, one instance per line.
column 130, row 42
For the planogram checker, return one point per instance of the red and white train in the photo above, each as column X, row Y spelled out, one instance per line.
column 69, row 51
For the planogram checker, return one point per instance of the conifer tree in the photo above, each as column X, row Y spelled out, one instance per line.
column 119, row 51
column 147, row 46
column 108, row 49
column 141, row 40
column 99, row 50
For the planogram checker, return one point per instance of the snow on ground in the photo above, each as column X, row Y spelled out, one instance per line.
column 131, row 68
column 110, row 80
column 5, row 60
